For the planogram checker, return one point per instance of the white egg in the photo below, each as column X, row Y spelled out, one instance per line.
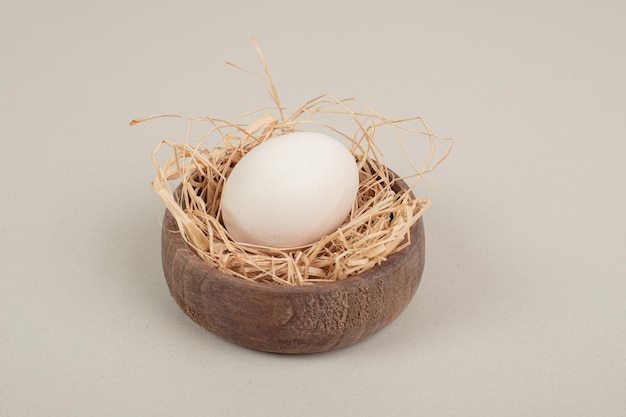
column 290, row 190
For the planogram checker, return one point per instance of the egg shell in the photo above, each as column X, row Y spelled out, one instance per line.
column 290, row 190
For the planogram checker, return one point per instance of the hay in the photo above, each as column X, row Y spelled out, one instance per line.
column 190, row 184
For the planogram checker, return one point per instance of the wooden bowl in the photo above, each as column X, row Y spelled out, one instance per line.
column 286, row 319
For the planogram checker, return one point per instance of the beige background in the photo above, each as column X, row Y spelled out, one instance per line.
column 521, row 311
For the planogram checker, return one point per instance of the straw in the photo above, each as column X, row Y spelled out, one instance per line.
column 191, row 181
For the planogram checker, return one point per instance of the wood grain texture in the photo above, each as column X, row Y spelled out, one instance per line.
column 284, row 319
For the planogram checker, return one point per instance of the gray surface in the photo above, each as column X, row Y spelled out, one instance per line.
column 521, row 310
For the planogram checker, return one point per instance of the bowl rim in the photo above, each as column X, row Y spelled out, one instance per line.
column 171, row 226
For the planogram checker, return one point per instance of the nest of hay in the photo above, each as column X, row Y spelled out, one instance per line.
column 190, row 184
